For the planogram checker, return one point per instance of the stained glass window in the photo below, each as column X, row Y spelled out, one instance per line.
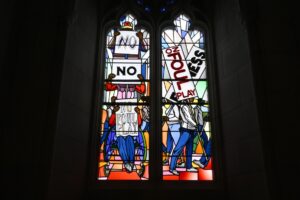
column 186, row 127
column 125, row 109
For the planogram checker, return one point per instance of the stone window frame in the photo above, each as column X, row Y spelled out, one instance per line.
column 155, row 26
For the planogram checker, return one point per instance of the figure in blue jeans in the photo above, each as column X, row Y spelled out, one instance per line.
column 145, row 126
column 186, row 139
column 187, row 134
column 172, row 119
column 109, row 135
column 107, row 129
column 201, row 134
column 206, row 144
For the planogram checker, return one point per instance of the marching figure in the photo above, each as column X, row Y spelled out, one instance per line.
column 172, row 119
column 145, row 114
column 188, row 128
column 202, row 136
column 108, row 136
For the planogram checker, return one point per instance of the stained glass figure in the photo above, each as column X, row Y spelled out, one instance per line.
column 186, row 127
column 124, row 127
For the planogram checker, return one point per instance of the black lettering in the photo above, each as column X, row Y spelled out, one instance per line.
column 200, row 54
column 119, row 70
column 132, row 42
column 196, row 61
column 123, row 41
column 193, row 69
column 126, row 41
column 130, row 72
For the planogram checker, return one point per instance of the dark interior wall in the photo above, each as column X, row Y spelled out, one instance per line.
column 68, row 179
column 48, row 51
column 32, row 43
column 7, row 18
column 243, row 152
column 7, row 130
column 274, row 29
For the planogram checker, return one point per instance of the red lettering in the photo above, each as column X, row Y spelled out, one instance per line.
column 178, row 72
column 177, row 61
column 174, row 56
column 178, row 94
column 168, row 50
column 181, row 82
column 175, row 49
column 190, row 93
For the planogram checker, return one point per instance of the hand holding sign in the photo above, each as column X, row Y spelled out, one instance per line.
column 165, row 118
column 111, row 76
column 116, row 108
column 116, row 33
column 139, row 35
column 137, row 110
column 140, row 76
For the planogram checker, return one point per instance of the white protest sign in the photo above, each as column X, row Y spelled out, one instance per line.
column 126, row 69
column 127, row 43
column 126, row 119
column 196, row 62
column 178, row 70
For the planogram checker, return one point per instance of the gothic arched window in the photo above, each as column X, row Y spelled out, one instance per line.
column 186, row 129
column 124, row 129
column 134, row 123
